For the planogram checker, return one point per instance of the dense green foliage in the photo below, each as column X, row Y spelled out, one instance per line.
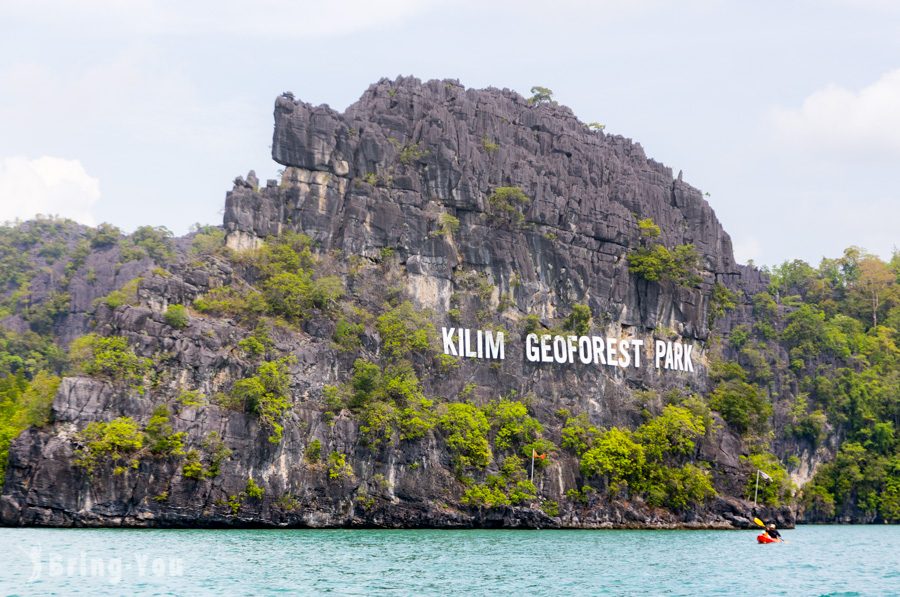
column 116, row 441
column 815, row 369
column 772, row 491
column 106, row 235
column 511, row 424
column 208, row 240
column 348, row 335
column 466, row 428
column 616, row 456
column 267, row 395
column 288, row 284
column 23, row 404
column 29, row 354
column 232, row 300
column 655, row 460
column 654, row 262
column 109, row 358
column 292, row 295
column 510, row 487
column 578, row 434
column 579, row 320
column 390, row 402
column 741, row 404
column 866, row 478
column 840, row 325
column 404, row 330
column 148, row 242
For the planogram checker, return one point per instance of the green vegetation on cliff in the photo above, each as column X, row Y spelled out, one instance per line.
column 655, row 461
column 809, row 379
column 840, row 325
column 654, row 262
column 287, row 283
column 267, row 395
column 108, row 357
column 23, row 403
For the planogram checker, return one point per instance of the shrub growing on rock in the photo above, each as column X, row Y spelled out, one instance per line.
column 267, row 395
column 466, row 427
column 507, row 203
column 512, row 424
column 404, row 330
column 338, row 467
column 114, row 441
column 176, row 316
column 313, row 452
column 108, row 357
column 578, row 434
column 163, row 440
column 616, row 456
column 742, row 405
column 579, row 320
column 23, row 404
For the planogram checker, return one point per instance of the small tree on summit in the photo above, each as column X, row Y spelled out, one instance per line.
column 540, row 95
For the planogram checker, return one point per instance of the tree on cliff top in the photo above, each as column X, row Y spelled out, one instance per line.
column 540, row 95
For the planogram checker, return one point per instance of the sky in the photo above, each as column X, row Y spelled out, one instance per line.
column 142, row 111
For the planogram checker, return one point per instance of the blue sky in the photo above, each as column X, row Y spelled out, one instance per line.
column 142, row 112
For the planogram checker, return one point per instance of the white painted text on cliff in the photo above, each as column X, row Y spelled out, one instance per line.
column 570, row 349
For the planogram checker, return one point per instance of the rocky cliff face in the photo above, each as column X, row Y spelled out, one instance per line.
column 381, row 174
column 377, row 188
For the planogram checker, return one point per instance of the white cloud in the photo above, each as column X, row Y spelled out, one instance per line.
column 844, row 122
column 46, row 185
column 293, row 18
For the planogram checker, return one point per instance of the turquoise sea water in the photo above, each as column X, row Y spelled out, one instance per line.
column 817, row 560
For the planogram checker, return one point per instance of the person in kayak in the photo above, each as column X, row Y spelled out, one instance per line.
column 772, row 532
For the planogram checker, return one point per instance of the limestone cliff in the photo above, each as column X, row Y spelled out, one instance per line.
column 381, row 174
column 376, row 188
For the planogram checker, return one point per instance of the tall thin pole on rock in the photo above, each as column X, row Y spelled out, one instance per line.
column 755, row 493
column 532, row 465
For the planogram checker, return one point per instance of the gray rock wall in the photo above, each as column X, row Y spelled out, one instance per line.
column 380, row 176
column 382, row 173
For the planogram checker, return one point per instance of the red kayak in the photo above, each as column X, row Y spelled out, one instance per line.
column 764, row 538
